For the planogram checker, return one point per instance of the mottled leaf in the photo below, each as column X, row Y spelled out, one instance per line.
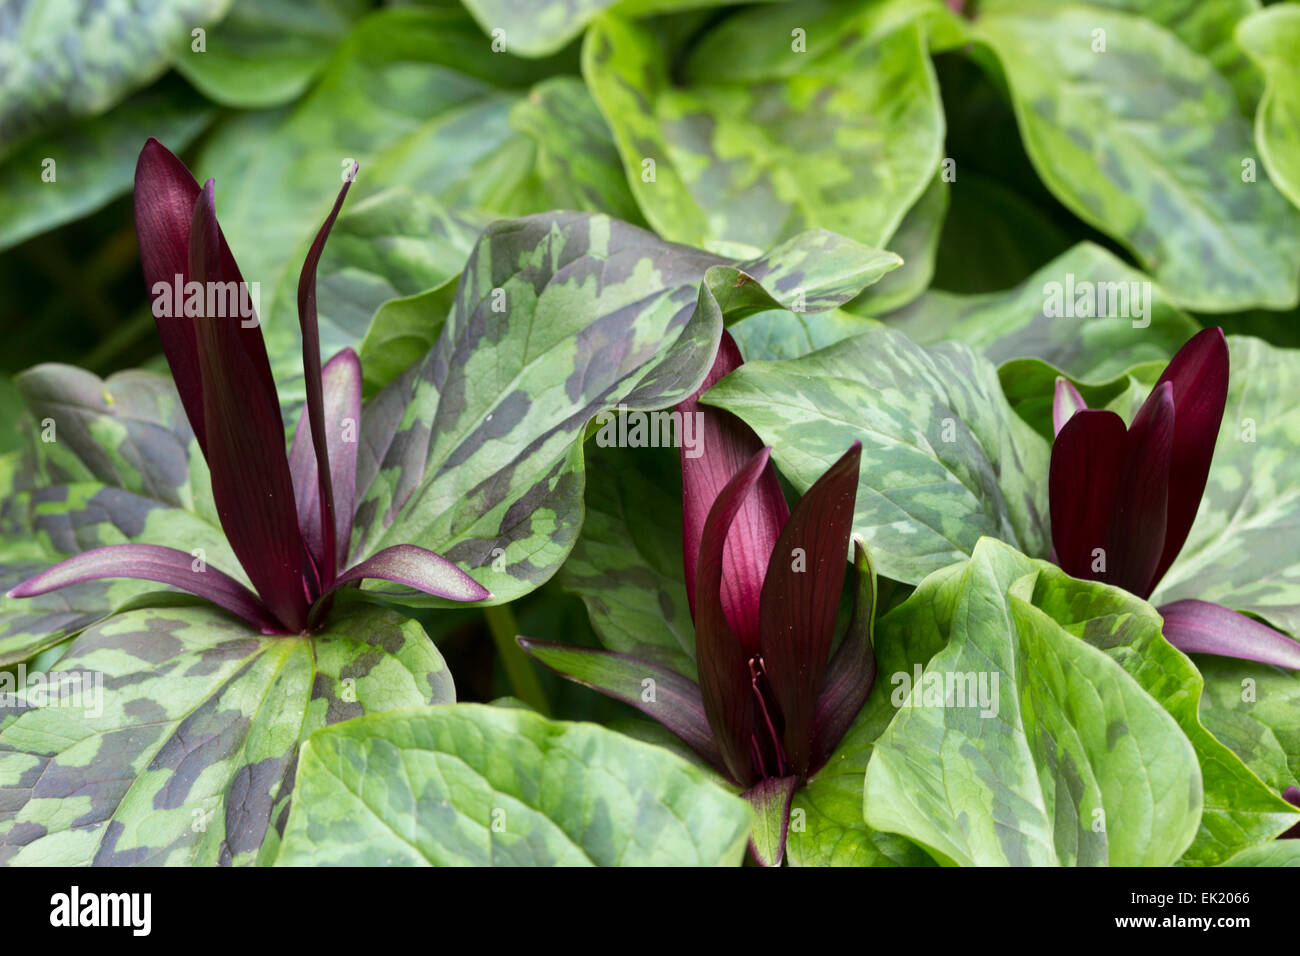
column 1145, row 142
column 760, row 141
column 58, row 63
column 1271, row 37
column 266, row 52
column 1086, row 312
column 474, row 785
column 186, row 747
column 475, row 452
column 93, row 160
column 1022, row 745
column 944, row 458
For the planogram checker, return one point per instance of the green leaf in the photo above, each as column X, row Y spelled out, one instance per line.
column 107, row 462
column 777, row 334
column 57, row 64
column 266, row 52
column 759, row 141
column 1086, row 312
column 1255, row 710
column 1271, row 37
column 1030, row 387
column 1204, row 27
column 1053, row 753
column 1242, row 551
column 1144, row 142
column 94, row 160
column 186, row 752
column 476, row 453
column 944, row 461
column 916, row 242
column 410, row 96
column 627, row 563
column 474, row 785
column 1277, row 853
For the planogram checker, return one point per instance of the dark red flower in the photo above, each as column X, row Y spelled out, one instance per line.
column 1123, row 500
column 288, row 518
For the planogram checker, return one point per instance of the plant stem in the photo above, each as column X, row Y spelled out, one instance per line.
column 519, row 668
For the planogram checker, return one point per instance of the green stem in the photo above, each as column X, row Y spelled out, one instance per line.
column 519, row 667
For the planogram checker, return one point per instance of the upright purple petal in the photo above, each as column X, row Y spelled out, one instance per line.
column 1292, row 796
column 1065, row 403
column 326, row 553
column 413, row 567
column 1200, row 627
column 1137, row 532
column 1198, row 375
column 726, row 683
column 801, row 597
column 728, row 444
column 251, row 485
column 851, row 671
column 151, row 562
column 341, row 394
column 1083, row 480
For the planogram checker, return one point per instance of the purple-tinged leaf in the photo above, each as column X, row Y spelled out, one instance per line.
column 1198, row 375
column 417, row 568
column 675, row 701
column 1292, row 796
column 251, row 485
column 151, row 562
column 1137, row 530
column 1083, row 480
column 770, row 799
column 852, row 669
column 323, row 545
column 1065, row 403
column 801, row 596
column 728, row 444
column 725, row 679
column 1201, row 627
column 341, row 394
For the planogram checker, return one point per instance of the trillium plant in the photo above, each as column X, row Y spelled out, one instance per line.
column 1124, row 500
column 288, row 518
column 890, row 409
column 764, row 587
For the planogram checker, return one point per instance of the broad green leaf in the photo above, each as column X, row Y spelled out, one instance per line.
column 944, row 461
column 1243, row 551
column 777, row 334
column 1277, row 853
column 187, row 748
column 266, row 52
column 1021, row 744
column 66, row 60
column 414, row 96
column 472, row 785
column 541, row 27
column 1271, row 37
column 107, row 462
column 1144, row 141
column 1255, row 710
column 627, row 563
column 1204, row 27
column 93, row 160
column 476, row 452
column 760, row 141
column 1086, row 312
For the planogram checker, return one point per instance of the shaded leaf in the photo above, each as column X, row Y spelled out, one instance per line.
column 475, row 785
